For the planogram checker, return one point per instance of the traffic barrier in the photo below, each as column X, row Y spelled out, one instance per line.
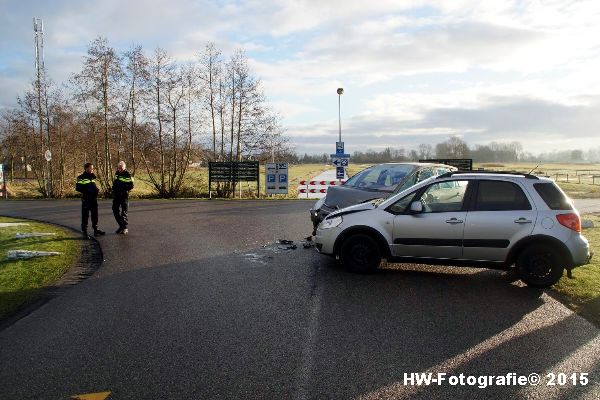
column 322, row 190
column 322, row 183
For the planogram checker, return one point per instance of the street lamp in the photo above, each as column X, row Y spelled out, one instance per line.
column 340, row 92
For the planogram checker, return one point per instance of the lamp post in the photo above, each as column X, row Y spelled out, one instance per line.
column 340, row 92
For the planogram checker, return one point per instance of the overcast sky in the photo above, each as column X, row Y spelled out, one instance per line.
column 416, row 71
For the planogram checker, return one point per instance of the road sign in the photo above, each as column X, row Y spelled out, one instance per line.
column 344, row 155
column 339, row 147
column 277, row 178
column 339, row 172
column 340, row 162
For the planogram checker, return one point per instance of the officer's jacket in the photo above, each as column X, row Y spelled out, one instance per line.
column 86, row 185
column 123, row 183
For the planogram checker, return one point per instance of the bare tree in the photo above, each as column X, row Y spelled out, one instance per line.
column 136, row 73
column 211, row 70
column 99, row 81
column 425, row 151
column 151, row 111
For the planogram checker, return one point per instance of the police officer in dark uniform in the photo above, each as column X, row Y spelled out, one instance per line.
column 86, row 185
column 121, row 186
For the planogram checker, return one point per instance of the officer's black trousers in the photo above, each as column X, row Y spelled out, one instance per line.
column 89, row 206
column 120, row 207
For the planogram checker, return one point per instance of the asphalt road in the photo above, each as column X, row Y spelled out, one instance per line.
column 197, row 302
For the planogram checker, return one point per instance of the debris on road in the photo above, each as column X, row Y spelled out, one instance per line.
column 20, row 235
column 286, row 244
column 26, row 254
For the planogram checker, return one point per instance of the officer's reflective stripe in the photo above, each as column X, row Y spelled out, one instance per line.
column 86, row 181
column 127, row 180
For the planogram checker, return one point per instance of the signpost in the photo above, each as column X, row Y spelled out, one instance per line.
column 276, row 178
column 340, row 159
column 3, row 182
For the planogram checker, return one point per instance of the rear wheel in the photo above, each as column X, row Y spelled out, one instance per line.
column 540, row 266
column 360, row 253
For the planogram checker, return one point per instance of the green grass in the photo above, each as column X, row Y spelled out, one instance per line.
column 22, row 280
column 582, row 293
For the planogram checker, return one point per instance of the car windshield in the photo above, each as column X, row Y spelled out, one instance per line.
column 384, row 178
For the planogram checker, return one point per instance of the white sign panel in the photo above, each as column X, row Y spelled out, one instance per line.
column 276, row 179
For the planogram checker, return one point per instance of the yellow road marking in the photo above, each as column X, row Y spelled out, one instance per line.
column 91, row 396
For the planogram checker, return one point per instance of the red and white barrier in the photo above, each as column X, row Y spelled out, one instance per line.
column 316, row 188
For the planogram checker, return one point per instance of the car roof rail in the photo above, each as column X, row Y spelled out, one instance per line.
column 451, row 173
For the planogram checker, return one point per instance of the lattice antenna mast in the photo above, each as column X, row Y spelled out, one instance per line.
column 38, row 29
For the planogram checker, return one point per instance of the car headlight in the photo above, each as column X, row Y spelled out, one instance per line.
column 331, row 222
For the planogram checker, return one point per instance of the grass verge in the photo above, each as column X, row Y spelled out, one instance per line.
column 582, row 294
column 23, row 280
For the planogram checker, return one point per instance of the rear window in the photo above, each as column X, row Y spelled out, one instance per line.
column 500, row 196
column 554, row 198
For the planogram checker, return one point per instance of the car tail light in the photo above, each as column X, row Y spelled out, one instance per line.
column 571, row 221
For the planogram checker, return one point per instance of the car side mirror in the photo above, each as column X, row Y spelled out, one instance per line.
column 416, row 207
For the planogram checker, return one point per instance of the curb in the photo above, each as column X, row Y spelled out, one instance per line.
column 88, row 262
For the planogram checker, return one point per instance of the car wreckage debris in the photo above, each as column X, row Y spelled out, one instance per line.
column 284, row 244
column 26, row 254
column 20, row 235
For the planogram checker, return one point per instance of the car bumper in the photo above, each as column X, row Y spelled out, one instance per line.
column 580, row 250
column 325, row 240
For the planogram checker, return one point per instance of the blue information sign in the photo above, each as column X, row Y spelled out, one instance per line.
column 339, row 172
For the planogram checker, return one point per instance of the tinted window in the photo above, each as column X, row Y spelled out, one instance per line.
column 444, row 196
column 383, row 177
column 554, row 198
column 500, row 196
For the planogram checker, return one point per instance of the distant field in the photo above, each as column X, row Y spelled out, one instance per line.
column 577, row 180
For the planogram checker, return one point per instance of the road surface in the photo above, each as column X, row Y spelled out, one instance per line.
column 198, row 302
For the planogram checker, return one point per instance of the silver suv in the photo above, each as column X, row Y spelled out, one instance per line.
column 490, row 220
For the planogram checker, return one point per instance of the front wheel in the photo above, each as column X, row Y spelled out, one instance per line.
column 539, row 266
column 360, row 253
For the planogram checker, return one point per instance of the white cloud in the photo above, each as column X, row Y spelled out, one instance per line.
column 525, row 69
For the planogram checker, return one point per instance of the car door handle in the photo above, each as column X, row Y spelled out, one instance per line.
column 454, row 221
column 522, row 221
